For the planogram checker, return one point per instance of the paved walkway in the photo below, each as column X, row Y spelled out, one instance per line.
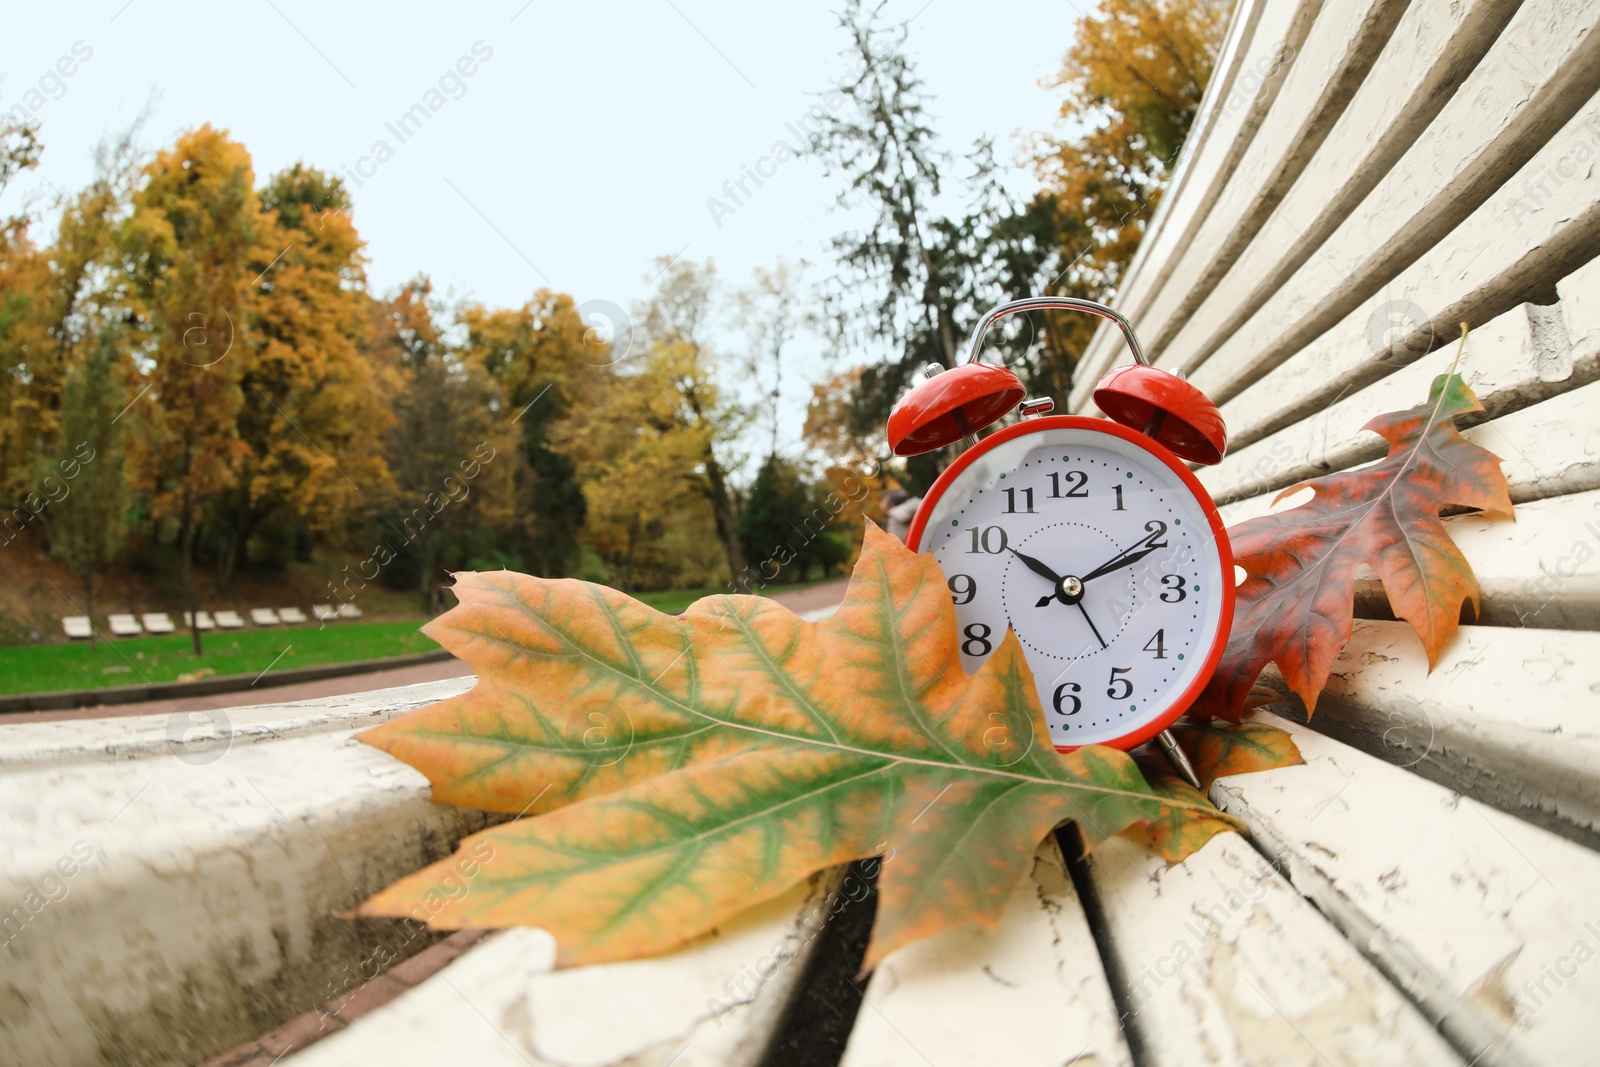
column 821, row 595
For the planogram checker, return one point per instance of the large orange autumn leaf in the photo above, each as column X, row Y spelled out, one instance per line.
column 1296, row 605
column 683, row 769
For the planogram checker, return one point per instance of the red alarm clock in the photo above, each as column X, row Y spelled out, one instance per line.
column 1089, row 537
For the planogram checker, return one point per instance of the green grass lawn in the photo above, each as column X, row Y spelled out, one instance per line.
column 137, row 660
column 140, row 660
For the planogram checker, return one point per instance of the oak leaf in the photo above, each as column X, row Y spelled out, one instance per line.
column 1296, row 604
column 682, row 769
column 1215, row 750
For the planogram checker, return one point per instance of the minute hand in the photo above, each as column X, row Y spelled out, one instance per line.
column 1133, row 555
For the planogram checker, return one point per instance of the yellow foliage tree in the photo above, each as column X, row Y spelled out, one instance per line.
column 452, row 448
column 538, row 354
column 654, row 440
column 194, row 249
column 312, row 419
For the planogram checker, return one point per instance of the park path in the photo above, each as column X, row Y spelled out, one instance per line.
column 811, row 598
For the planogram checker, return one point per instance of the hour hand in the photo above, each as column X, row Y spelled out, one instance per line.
column 1037, row 567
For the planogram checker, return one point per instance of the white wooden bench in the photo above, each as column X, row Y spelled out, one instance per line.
column 1424, row 890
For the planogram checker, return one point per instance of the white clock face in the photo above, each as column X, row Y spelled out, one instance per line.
column 1103, row 561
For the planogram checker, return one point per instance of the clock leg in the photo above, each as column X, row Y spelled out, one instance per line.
column 1180, row 761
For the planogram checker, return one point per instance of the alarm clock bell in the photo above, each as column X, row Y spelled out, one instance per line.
column 955, row 404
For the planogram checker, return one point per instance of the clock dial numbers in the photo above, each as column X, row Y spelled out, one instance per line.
column 1099, row 557
column 977, row 639
column 1075, row 482
column 991, row 539
column 1011, row 500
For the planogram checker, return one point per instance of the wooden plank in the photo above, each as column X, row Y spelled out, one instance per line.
column 715, row 1002
column 1497, row 363
column 1489, row 923
column 1548, row 449
column 1539, row 570
column 1505, row 716
column 1429, row 56
column 1484, row 268
column 1226, row 964
column 1463, row 179
column 205, row 722
column 1361, row 72
column 205, row 880
column 1029, row 994
column 1267, row 32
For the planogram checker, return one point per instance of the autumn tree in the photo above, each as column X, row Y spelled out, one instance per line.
column 194, row 248
column 771, row 311
column 452, row 446
column 19, row 148
column 88, row 525
column 24, row 340
column 538, row 355
column 913, row 282
column 655, row 439
column 1132, row 82
column 706, row 422
column 312, row 421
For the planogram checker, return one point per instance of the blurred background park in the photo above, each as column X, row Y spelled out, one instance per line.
column 220, row 393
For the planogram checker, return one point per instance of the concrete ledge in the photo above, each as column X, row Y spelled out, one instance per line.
column 233, row 683
column 165, row 900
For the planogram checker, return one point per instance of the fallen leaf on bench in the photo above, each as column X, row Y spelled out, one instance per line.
column 689, row 767
column 1295, row 607
column 1216, row 750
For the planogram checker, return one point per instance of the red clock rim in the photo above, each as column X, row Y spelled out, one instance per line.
column 1183, row 700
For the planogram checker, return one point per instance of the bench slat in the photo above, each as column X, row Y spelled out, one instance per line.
column 1470, row 910
column 1227, row 965
column 1461, row 184
column 1470, row 724
column 201, row 908
column 715, row 1002
column 1483, row 268
column 1356, row 77
column 1498, row 363
column 1030, row 994
column 1536, row 571
column 1551, row 449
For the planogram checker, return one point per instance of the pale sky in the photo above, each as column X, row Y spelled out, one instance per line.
column 586, row 140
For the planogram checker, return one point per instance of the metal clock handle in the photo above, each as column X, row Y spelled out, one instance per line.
column 1169, row 744
column 1061, row 303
